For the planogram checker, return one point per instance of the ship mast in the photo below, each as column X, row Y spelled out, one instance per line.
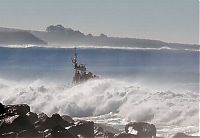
column 74, row 60
column 75, row 54
column 80, row 71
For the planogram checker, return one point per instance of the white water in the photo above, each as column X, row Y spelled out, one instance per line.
column 99, row 47
column 109, row 101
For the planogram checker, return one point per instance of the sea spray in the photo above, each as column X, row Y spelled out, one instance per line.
column 108, row 101
column 99, row 97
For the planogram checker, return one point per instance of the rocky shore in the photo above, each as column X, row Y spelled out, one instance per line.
column 17, row 121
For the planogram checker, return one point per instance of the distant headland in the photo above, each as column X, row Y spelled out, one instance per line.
column 57, row 35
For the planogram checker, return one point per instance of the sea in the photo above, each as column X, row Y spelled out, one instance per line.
column 154, row 85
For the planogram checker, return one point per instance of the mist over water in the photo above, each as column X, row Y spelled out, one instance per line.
column 157, row 86
column 120, row 101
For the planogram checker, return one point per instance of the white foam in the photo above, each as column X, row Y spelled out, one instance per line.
column 114, row 99
column 98, row 47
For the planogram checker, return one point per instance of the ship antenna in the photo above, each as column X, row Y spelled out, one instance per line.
column 74, row 60
column 75, row 53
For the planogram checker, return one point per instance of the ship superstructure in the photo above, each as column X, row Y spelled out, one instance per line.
column 80, row 70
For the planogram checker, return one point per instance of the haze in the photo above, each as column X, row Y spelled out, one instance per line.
column 170, row 21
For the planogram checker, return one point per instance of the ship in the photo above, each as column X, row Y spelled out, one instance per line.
column 80, row 71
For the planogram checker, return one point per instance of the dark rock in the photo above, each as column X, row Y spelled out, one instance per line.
column 67, row 118
column 2, row 110
column 124, row 135
column 47, row 133
column 83, row 128
column 29, row 134
column 108, row 135
column 21, row 109
column 183, row 135
column 98, row 132
column 48, row 136
column 32, row 117
column 142, row 129
column 42, row 117
column 99, row 129
column 54, row 120
column 106, row 129
column 60, row 132
column 9, row 135
column 15, row 124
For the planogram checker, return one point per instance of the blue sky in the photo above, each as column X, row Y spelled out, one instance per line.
column 167, row 20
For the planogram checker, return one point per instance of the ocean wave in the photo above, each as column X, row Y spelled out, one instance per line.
column 104, row 96
column 109, row 101
column 99, row 47
column 21, row 46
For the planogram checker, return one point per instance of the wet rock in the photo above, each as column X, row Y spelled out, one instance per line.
column 30, row 134
column 141, row 129
column 106, row 128
column 21, row 109
column 18, row 122
column 60, row 132
column 32, row 117
column 108, row 135
column 41, row 119
column 42, row 116
column 83, row 128
column 124, row 135
column 54, row 120
column 98, row 132
column 47, row 133
column 67, row 118
column 15, row 123
column 48, row 136
column 9, row 135
column 2, row 110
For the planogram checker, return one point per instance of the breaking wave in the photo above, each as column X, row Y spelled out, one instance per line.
column 102, row 47
column 104, row 96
